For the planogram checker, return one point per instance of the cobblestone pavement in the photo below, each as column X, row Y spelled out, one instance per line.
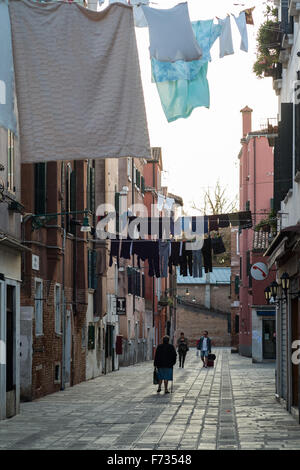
column 230, row 406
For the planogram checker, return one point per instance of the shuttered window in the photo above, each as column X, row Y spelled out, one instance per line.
column 283, row 155
column 297, row 134
column 143, row 185
column 236, row 285
column 40, row 180
column 117, row 209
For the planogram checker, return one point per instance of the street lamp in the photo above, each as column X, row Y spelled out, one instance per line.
column 285, row 282
column 268, row 294
column 187, row 292
column 85, row 226
column 274, row 289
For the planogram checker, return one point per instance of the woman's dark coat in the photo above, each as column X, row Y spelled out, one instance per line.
column 165, row 356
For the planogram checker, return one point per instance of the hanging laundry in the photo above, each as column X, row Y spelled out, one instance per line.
column 213, row 222
column 126, row 248
column 118, row 1
column 174, row 258
column 186, row 261
column 160, row 202
column 245, row 219
column 169, row 203
column 200, row 223
column 206, row 33
column 180, row 97
column 114, row 251
column 217, row 245
column 249, row 15
column 207, row 256
column 197, row 263
column 242, row 26
column 7, row 115
column 139, row 17
column 223, row 220
column 164, row 253
column 171, row 34
column 226, row 45
column 234, row 219
column 79, row 92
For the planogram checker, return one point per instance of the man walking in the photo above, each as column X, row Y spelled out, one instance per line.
column 205, row 347
column 182, row 347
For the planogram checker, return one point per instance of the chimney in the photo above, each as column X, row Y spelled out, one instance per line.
column 247, row 120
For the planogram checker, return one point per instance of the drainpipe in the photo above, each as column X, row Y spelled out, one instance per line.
column 132, row 203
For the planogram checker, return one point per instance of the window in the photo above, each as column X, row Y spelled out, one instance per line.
column 129, row 168
column 38, row 307
column 91, row 336
column 247, row 206
column 236, row 285
column 134, row 174
column 138, row 178
column 143, row 185
column 117, row 209
column 57, row 373
column 40, row 180
column 241, row 267
column 57, row 309
column 10, row 162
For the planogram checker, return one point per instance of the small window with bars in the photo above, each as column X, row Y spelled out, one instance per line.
column 11, row 162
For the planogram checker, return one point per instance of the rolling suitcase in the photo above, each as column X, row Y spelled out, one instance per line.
column 210, row 360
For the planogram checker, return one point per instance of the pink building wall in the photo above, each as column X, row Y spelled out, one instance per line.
column 256, row 191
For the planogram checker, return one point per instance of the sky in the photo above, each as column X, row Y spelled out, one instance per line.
column 204, row 148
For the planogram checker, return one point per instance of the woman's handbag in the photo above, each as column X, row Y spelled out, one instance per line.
column 155, row 378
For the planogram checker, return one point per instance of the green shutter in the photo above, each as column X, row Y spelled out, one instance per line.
column 138, row 178
column 143, row 285
column 143, row 185
column 94, row 276
column 272, row 203
column 129, row 280
column 40, row 171
column 247, row 206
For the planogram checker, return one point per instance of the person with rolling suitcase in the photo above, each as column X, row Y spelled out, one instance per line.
column 205, row 347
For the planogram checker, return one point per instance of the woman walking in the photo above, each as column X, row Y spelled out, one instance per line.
column 164, row 360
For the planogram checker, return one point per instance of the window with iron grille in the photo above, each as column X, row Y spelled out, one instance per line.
column 40, row 187
column 91, row 336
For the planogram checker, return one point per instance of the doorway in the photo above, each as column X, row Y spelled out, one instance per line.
column 269, row 339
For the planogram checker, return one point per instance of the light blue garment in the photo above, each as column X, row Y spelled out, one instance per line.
column 7, row 115
column 179, row 97
column 206, row 33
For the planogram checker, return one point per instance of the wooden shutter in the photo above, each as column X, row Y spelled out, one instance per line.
column 143, row 185
column 283, row 155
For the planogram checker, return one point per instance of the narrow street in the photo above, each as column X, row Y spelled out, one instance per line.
column 231, row 406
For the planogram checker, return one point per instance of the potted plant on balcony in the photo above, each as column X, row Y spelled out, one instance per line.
column 268, row 45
